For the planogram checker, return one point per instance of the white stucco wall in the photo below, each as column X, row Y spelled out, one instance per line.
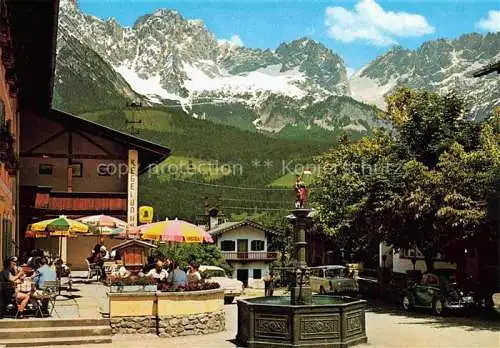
column 250, row 233
column 250, row 266
column 246, row 232
column 402, row 264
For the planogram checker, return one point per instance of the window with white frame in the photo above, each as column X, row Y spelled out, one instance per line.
column 257, row 245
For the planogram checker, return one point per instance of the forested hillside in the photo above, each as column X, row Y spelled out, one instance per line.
column 231, row 167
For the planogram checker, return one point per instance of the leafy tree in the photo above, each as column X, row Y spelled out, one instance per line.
column 203, row 254
column 438, row 187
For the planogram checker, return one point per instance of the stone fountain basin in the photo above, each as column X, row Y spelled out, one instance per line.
column 272, row 322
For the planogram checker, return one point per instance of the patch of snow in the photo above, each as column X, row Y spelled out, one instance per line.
column 150, row 88
column 199, row 81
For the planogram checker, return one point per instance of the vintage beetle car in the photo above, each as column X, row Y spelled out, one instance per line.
column 438, row 291
column 334, row 280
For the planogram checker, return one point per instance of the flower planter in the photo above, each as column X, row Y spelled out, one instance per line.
column 132, row 288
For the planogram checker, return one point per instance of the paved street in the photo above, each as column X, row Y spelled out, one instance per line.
column 386, row 327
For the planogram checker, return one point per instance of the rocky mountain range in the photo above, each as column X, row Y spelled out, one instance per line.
column 440, row 65
column 167, row 60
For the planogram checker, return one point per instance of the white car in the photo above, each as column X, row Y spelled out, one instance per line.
column 232, row 287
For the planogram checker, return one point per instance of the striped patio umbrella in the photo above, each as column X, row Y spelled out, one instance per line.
column 125, row 233
column 104, row 224
column 59, row 227
column 35, row 234
column 175, row 231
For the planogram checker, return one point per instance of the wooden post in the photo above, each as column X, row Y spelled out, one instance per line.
column 70, row 179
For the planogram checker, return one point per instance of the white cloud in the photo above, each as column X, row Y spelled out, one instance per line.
column 234, row 41
column 369, row 21
column 490, row 23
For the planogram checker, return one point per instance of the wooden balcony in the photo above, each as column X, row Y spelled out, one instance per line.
column 82, row 201
column 71, row 203
column 250, row 256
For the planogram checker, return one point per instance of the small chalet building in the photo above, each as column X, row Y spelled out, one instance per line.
column 244, row 245
column 401, row 261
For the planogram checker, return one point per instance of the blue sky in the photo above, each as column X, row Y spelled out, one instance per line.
column 358, row 30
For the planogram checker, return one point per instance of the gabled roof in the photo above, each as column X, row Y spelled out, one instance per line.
column 149, row 153
column 134, row 242
column 229, row 226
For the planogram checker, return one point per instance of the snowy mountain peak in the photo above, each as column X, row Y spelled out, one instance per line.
column 167, row 59
column 185, row 61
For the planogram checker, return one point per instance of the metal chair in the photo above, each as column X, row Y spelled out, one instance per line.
column 52, row 290
column 94, row 270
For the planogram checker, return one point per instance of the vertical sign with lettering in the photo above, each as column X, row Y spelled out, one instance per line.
column 133, row 169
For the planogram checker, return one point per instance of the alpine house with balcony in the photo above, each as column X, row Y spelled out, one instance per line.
column 244, row 245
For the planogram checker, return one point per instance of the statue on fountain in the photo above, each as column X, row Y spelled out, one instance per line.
column 300, row 193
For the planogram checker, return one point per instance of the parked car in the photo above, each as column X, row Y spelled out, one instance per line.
column 368, row 283
column 232, row 287
column 333, row 279
column 437, row 291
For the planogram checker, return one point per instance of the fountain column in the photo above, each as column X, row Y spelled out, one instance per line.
column 301, row 291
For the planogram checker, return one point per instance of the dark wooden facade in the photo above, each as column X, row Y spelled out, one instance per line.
column 74, row 149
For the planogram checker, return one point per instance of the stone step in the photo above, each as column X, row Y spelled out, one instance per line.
column 49, row 322
column 55, row 341
column 68, row 332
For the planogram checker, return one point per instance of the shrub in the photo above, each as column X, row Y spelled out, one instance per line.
column 203, row 254
column 198, row 286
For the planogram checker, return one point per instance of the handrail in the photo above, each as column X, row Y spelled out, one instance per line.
column 250, row 255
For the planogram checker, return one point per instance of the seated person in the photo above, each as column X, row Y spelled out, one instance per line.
column 176, row 277
column 119, row 269
column 149, row 265
column 104, row 253
column 193, row 275
column 93, row 254
column 34, row 258
column 62, row 270
column 44, row 273
column 15, row 277
column 158, row 272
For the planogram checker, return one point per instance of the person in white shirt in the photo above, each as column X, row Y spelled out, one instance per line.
column 158, row 272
